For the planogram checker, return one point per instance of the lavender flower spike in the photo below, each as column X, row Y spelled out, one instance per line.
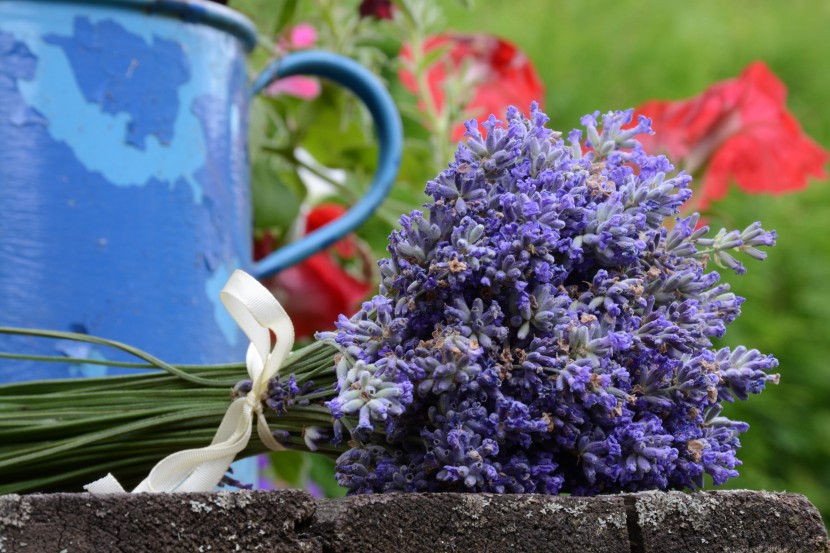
column 546, row 326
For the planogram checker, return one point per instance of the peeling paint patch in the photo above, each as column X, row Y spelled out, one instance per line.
column 123, row 73
column 100, row 120
column 143, row 230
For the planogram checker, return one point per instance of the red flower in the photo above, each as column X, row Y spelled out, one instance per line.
column 500, row 74
column 317, row 290
column 737, row 129
column 380, row 9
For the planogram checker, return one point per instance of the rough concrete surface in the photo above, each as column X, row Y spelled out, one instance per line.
column 472, row 522
column 725, row 521
column 159, row 523
column 731, row 521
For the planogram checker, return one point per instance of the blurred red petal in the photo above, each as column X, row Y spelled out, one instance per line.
column 501, row 74
column 740, row 130
column 322, row 215
column 380, row 9
column 316, row 291
column 264, row 245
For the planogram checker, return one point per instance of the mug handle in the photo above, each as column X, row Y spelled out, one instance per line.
column 371, row 92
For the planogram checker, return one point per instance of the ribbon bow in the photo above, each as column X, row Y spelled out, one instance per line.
column 193, row 470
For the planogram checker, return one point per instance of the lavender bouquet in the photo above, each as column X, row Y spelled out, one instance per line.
column 545, row 326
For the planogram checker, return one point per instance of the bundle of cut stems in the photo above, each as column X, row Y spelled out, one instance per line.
column 57, row 435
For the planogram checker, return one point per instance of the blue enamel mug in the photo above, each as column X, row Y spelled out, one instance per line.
column 125, row 199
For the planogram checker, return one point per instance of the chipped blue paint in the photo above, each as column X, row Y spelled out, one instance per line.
column 83, row 351
column 74, row 118
column 125, row 219
column 126, row 239
column 131, row 68
column 124, row 193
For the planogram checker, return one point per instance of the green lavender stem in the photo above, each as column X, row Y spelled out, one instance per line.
column 57, row 435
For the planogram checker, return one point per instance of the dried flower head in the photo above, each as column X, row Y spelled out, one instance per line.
column 541, row 329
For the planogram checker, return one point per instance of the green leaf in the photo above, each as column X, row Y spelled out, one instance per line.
column 332, row 125
column 286, row 14
column 433, row 57
column 289, row 466
column 277, row 195
column 260, row 11
column 321, row 472
column 258, row 125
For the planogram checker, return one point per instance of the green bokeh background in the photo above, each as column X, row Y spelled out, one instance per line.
column 595, row 54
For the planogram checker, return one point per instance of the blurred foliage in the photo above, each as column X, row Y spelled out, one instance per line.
column 593, row 54
column 334, row 127
column 614, row 55
column 336, row 131
column 299, row 469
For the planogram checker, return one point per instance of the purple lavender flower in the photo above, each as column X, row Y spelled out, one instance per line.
column 370, row 395
column 545, row 326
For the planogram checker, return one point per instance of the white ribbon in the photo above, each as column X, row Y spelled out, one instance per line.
column 193, row 470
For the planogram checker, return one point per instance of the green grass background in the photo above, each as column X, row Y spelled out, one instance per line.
column 594, row 54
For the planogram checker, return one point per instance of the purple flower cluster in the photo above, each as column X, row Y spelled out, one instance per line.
column 540, row 330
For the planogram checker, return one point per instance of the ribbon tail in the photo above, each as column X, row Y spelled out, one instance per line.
column 107, row 484
column 192, row 470
column 265, row 435
column 183, row 470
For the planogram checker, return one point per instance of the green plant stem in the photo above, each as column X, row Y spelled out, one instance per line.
column 437, row 118
column 107, row 362
column 289, row 156
column 113, row 344
column 56, row 435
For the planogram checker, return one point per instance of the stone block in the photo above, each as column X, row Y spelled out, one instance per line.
column 405, row 523
column 734, row 521
column 701, row 522
column 132, row 523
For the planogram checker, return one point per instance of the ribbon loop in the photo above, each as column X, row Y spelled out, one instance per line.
column 259, row 314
